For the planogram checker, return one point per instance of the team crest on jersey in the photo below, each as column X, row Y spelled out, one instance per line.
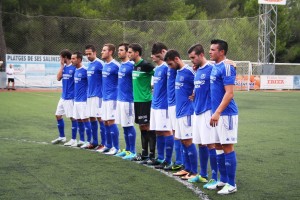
column 181, row 78
column 93, row 68
column 79, row 75
column 124, row 70
column 203, row 76
column 138, row 69
column 108, row 69
column 159, row 73
column 71, row 72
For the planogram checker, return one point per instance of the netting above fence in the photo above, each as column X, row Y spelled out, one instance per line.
column 49, row 35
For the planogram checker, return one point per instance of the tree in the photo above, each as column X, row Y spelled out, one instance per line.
column 2, row 41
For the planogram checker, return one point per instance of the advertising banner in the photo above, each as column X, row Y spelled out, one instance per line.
column 241, row 82
column 274, row 2
column 36, row 70
column 296, row 82
column 276, row 82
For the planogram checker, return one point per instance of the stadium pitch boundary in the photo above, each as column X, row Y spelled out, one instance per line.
column 188, row 185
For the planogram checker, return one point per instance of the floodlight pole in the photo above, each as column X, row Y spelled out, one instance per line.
column 267, row 33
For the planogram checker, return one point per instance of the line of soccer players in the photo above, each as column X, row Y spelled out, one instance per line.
column 187, row 106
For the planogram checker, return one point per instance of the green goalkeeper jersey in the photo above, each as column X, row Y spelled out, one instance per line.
column 141, row 77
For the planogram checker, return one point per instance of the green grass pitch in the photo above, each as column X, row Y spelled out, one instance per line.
column 32, row 168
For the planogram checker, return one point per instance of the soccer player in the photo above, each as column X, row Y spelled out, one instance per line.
column 94, row 100
column 225, row 116
column 80, row 99
column 125, row 106
column 110, row 92
column 65, row 104
column 159, row 116
column 179, row 161
column 142, row 94
column 184, row 86
column 203, row 134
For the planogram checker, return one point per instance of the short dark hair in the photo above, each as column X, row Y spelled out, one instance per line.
column 222, row 45
column 197, row 48
column 78, row 54
column 111, row 47
column 66, row 53
column 136, row 47
column 125, row 45
column 158, row 47
column 171, row 54
column 90, row 46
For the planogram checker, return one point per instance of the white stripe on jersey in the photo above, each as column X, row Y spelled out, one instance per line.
column 115, row 62
column 227, row 68
column 189, row 68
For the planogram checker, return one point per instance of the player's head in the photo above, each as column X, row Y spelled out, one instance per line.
column 158, row 51
column 90, row 52
column 173, row 59
column 196, row 55
column 76, row 58
column 10, row 66
column 122, row 50
column 108, row 51
column 134, row 51
column 65, row 55
column 218, row 50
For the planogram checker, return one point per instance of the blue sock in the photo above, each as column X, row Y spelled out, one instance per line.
column 187, row 163
column 222, row 167
column 81, row 131
column 102, row 133
column 108, row 137
column 160, row 145
column 230, row 160
column 61, row 127
column 94, row 125
column 178, row 152
column 126, row 138
column 74, row 129
column 169, row 148
column 131, row 138
column 203, row 157
column 115, row 135
column 88, row 131
column 193, row 157
column 213, row 163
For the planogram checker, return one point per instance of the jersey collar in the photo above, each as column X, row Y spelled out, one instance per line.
column 136, row 64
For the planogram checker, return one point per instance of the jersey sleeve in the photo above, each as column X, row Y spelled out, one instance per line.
column 148, row 67
column 229, row 75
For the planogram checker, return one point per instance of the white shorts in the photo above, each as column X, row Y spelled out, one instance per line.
column 226, row 131
column 94, row 106
column 183, row 128
column 125, row 114
column 65, row 107
column 172, row 116
column 202, row 131
column 109, row 109
column 80, row 110
column 160, row 120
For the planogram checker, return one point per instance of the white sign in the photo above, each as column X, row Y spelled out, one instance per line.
column 36, row 70
column 276, row 82
column 274, row 2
